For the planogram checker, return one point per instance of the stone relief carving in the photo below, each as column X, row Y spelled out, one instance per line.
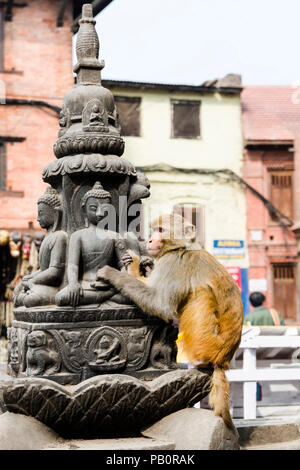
column 40, row 359
column 73, row 348
column 95, row 117
column 164, row 350
column 137, row 345
column 106, row 350
column 13, row 350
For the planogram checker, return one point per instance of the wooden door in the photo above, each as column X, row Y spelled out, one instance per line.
column 284, row 291
column 281, row 194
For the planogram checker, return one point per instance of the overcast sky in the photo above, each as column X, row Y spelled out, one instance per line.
column 190, row 41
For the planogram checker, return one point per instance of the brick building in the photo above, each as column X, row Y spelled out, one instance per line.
column 271, row 125
column 35, row 74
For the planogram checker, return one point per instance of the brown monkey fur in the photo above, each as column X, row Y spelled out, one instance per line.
column 138, row 267
column 189, row 285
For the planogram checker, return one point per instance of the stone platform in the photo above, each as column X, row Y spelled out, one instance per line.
column 189, row 429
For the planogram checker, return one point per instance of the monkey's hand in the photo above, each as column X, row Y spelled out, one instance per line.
column 146, row 264
column 129, row 258
column 106, row 273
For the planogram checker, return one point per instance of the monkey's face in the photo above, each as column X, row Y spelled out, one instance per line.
column 156, row 241
column 170, row 229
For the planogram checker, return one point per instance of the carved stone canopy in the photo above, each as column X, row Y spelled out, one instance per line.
column 91, row 163
column 89, row 118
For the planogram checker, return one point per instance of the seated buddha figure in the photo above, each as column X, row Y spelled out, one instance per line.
column 92, row 248
column 40, row 287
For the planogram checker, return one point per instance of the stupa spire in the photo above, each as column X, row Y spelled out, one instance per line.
column 88, row 66
column 89, row 118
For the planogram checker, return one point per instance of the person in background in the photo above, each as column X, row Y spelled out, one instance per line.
column 261, row 315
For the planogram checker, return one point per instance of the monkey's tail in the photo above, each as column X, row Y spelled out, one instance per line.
column 219, row 395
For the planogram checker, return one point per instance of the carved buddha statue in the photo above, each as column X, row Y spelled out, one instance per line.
column 92, row 248
column 40, row 287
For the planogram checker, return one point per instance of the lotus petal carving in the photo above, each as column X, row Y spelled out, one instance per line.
column 88, row 163
column 104, row 405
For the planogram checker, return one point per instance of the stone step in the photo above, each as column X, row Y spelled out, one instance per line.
column 119, row 444
column 289, row 445
column 267, row 431
column 19, row 432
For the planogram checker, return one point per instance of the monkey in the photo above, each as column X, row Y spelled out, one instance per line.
column 189, row 285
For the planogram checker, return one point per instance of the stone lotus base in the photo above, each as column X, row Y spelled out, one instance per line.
column 106, row 405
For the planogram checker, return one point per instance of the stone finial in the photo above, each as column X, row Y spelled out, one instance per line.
column 89, row 119
column 87, row 47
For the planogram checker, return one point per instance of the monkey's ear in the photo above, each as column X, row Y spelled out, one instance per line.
column 190, row 232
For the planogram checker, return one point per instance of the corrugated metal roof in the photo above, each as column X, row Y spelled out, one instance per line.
column 206, row 87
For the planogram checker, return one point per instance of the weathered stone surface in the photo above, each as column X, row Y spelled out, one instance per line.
column 67, row 344
column 195, row 429
column 94, row 163
column 104, row 405
column 121, row 444
column 263, row 431
column 19, row 432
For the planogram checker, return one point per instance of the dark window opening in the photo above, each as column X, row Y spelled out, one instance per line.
column 281, row 192
column 284, row 271
column 129, row 115
column 186, row 119
column 2, row 166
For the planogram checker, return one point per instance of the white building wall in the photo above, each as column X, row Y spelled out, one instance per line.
column 219, row 147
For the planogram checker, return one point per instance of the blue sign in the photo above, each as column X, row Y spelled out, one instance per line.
column 229, row 249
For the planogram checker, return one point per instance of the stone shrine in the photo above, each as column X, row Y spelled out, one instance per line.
column 82, row 359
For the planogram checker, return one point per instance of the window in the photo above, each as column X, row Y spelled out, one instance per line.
column 129, row 115
column 195, row 215
column 186, row 119
column 2, row 167
column 281, row 192
column 284, row 271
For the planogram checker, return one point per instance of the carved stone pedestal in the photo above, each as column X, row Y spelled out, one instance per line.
column 71, row 345
column 106, row 406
